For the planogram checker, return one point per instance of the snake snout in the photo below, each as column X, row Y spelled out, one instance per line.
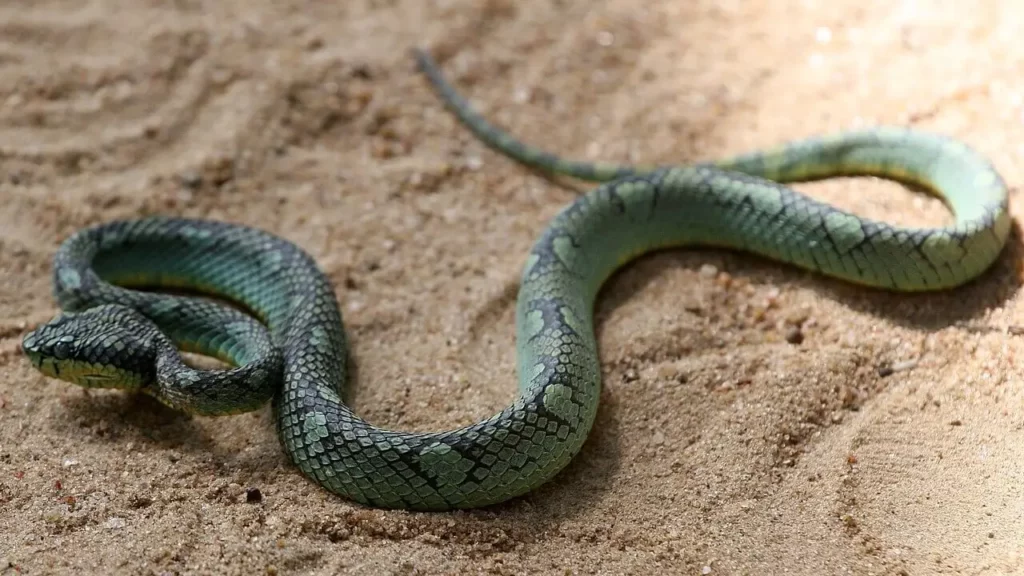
column 47, row 350
column 30, row 346
column 42, row 341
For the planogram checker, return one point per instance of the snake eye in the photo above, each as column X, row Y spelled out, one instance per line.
column 61, row 350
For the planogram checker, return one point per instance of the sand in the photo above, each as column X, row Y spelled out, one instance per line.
column 884, row 438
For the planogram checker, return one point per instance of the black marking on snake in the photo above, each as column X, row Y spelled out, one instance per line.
column 746, row 202
column 615, row 198
column 655, row 180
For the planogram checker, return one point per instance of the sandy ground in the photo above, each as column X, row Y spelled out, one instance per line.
column 720, row 448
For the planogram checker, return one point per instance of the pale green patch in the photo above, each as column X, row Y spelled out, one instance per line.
column 447, row 466
column 69, row 278
column 164, row 306
column 272, row 259
column 844, row 229
column 566, row 252
column 238, row 328
column 531, row 261
column 724, row 187
column 777, row 165
column 315, row 427
column 940, row 249
column 187, row 377
column 536, row 371
column 533, row 323
column 767, row 198
column 574, row 321
column 604, row 170
column 985, row 179
column 319, row 339
column 329, row 394
column 558, row 401
column 631, row 192
column 193, row 232
column 637, row 198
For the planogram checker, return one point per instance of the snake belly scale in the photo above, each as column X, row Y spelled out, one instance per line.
column 287, row 341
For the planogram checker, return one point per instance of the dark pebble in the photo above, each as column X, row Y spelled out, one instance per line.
column 253, row 495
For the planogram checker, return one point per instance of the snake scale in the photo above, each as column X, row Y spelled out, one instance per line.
column 285, row 341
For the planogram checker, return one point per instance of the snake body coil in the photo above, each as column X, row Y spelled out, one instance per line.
column 114, row 336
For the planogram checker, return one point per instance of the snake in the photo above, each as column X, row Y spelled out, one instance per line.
column 136, row 293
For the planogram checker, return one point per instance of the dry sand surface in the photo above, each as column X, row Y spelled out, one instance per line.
column 721, row 447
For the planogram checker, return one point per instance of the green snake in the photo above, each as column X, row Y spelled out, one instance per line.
column 284, row 340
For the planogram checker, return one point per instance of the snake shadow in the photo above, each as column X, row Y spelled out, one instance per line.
column 127, row 416
column 122, row 417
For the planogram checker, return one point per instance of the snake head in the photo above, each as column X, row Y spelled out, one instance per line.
column 108, row 346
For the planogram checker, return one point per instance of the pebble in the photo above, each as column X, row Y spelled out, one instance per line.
column 114, row 523
column 253, row 495
column 794, row 335
column 659, row 438
column 668, row 372
column 139, row 500
column 190, row 179
column 234, row 490
column 889, row 369
column 798, row 317
column 220, row 168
